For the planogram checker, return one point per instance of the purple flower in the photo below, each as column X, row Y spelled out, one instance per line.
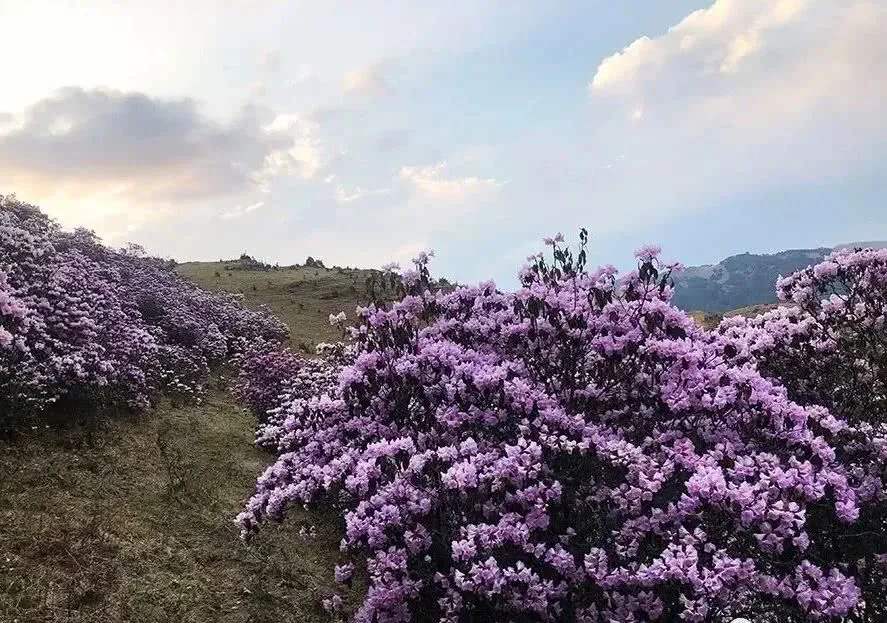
column 580, row 445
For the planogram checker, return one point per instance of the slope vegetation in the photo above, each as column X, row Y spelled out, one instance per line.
column 303, row 297
column 131, row 518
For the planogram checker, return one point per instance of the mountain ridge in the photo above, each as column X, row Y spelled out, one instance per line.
column 746, row 279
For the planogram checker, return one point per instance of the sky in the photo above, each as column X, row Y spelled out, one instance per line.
column 363, row 132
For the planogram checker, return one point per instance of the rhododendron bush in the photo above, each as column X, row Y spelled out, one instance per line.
column 275, row 382
column 833, row 327
column 85, row 328
column 580, row 450
column 828, row 346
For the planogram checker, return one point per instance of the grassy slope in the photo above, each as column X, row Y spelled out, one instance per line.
column 131, row 520
column 302, row 297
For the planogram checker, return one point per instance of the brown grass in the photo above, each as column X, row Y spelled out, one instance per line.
column 706, row 320
column 302, row 297
column 710, row 320
column 132, row 520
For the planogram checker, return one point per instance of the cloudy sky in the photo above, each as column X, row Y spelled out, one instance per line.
column 361, row 132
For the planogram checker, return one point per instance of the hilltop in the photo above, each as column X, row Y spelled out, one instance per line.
column 303, row 296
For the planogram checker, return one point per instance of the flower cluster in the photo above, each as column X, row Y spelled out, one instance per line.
column 85, row 327
column 576, row 450
column 265, row 369
column 273, row 395
column 827, row 345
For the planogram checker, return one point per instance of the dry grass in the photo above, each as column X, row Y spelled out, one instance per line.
column 131, row 520
column 753, row 310
column 706, row 320
column 302, row 297
column 710, row 320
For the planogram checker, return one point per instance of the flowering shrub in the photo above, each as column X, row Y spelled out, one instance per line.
column 828, row 346
column 86, row 327
column 576, row 450
column 273, row 395
column 265, row 370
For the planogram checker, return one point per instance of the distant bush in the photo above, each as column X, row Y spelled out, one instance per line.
column 265, row 370
column 580, row 450
column 387, row 284
column 247, row 262
column 84, row 327
column 275, row 382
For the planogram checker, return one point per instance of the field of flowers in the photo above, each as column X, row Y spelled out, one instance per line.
column 581, row 450
column 85, row 328
column 578, row 449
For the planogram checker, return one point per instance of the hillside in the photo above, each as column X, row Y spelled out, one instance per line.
column 744, row 280
column 302, row 296
column 131, row 519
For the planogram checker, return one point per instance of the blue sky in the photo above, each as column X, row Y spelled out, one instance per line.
column 362, row 132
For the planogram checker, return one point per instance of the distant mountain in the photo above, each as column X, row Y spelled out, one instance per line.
column 746, row 279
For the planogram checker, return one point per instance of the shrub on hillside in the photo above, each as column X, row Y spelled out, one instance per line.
column 576, row 450
column 265, row 370
column 84, row 327
column 828, row 346
column 274, row 383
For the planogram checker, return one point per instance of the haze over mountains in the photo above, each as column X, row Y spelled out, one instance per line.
column 745, row 279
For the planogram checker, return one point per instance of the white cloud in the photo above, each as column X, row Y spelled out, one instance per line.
column 432, row 182
column 718, row 39
column 302, row 156
column 755, row 60
column 752, row 92
column 345, row 196
column 239, row 211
